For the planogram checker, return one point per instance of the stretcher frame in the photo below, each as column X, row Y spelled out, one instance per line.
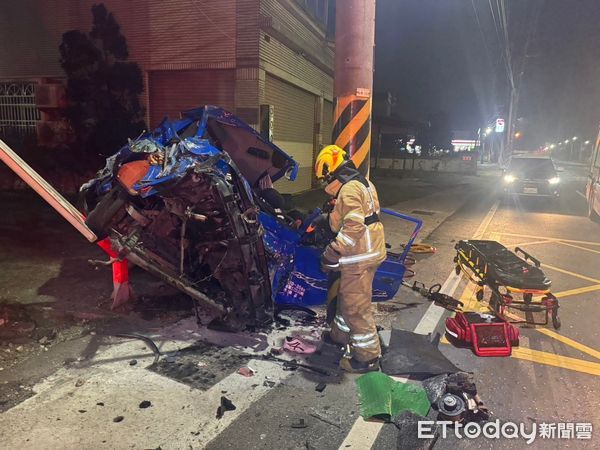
column 474, row 265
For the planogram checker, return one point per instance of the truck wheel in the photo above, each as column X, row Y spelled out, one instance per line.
column 100, row 218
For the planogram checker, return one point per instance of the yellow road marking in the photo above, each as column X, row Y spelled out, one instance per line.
column 472, row 304
column 529, row 243
column 573, row 274
column 579, row 247
column 529, row 236
column 570, row 292
column 570, row 342
column 551, row 359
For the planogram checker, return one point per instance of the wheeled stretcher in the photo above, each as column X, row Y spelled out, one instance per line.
column 489, row 263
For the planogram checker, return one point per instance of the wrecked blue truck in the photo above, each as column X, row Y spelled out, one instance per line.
column 193, row 203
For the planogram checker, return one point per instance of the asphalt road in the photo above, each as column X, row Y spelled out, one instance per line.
column 552, row 378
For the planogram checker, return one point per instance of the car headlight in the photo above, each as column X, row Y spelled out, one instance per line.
column 509, row 178
column 554, row 180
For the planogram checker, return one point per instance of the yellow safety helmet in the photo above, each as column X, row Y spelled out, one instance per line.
column 328, row 160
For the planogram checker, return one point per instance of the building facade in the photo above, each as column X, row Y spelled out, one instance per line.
column 268, row 61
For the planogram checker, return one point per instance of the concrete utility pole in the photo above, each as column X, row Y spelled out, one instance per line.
column 353, row 82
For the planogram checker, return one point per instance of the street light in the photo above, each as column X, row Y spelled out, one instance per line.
column 567, row 141
column 488, row 130
column 552, row 146
column 574, row 138
column 586, row 142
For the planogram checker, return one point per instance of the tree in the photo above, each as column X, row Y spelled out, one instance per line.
column 103, row 88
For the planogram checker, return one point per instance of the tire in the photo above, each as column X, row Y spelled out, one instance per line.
column 556, row 322
column 100, row 218
column 479, row 295
column 495, row 303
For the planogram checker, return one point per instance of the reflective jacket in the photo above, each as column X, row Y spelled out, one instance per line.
column 358, row 244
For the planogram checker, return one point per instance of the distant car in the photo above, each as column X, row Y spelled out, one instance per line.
column 531, row 176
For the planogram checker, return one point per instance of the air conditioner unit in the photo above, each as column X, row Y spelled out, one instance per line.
column 50, row 96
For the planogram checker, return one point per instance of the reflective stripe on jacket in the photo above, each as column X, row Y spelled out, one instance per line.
column 357, row 243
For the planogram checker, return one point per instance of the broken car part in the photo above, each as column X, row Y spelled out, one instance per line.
column 452, row 407
column 226, row 405
column 47, row 192
column 433, row 293
column 149, row 342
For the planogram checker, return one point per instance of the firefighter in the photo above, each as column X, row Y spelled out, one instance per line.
column 356, row 252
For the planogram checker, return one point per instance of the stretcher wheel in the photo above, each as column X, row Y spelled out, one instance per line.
column 457, row 270
column 556, row 322
column 495, row 302
column 527, row 298
column 479, row 295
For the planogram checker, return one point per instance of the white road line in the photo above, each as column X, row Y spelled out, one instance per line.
column 434, row 313
column 582, row 194
column 486, row 221
column 363, row 433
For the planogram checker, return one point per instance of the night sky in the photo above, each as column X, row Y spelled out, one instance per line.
column 434, row 57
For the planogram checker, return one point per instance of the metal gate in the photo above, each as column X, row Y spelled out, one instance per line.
column 18, row 111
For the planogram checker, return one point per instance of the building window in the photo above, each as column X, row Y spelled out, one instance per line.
column 18, row 111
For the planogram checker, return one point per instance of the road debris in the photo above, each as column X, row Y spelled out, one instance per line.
column 246, row 371
column 145, row 404
column 325, row 417
column 383, row 397
column 226, row 405
column 269, row 383
column 320, row 387
column 133, row 362
column 118, row 419
column 295, row 345
column 149, row 342
column 298, row 423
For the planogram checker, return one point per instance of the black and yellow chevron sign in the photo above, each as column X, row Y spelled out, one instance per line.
column 352, row 128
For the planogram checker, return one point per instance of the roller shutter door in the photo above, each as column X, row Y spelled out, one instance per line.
column 293, row 128
column 173, row 91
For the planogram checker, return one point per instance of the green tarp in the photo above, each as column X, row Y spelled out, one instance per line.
column 384, row 398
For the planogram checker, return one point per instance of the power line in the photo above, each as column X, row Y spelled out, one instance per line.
column 487, row 49
column 504, row 27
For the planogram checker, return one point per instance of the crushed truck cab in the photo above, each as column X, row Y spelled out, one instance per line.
column 193, row 203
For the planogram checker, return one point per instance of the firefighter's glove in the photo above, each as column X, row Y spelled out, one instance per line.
column 329, row 205
column 330, row 259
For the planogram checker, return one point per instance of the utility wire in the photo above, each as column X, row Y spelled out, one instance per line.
column 504, row 27
column 488, row 53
